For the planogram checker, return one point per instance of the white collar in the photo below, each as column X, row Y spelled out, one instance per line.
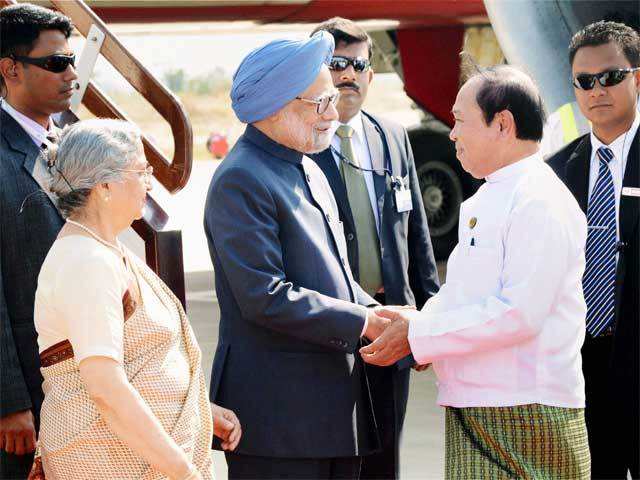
column 36, row 131
column 623, row 140
column 514, row 169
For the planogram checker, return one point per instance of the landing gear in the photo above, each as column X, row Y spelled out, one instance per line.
column 444, row 186
column 442, row 195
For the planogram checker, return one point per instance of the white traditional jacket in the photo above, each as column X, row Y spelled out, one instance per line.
column 507, row 326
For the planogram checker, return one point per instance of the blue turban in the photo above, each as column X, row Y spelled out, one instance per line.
column 273, row 75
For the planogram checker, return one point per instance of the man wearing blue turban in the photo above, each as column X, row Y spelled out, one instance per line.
column 292, row 316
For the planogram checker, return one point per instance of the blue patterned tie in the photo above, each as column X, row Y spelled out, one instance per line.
column 599, row 278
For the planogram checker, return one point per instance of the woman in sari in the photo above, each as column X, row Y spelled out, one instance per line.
column 125, row 396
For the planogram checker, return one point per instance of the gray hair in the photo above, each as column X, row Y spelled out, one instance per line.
column 89, row 153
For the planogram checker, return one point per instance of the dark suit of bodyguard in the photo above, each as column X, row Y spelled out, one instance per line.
column 385, row 224
column 409, row 273
column 287, row 360
column 602, row 170
column 30, row 224
column 611, row 361
column 29, row 220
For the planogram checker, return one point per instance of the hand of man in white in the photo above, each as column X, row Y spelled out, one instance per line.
column 392, row 344
column 18, row 433
column 421, row 368
column 226, row 427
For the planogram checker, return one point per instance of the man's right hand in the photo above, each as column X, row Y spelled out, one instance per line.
column 18, row 433
column 375, row 325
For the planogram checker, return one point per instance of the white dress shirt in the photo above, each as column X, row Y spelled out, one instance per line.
column 36, row 131
column 507, row 326
column 38, row 134
column 620, row 148
column 361, row 150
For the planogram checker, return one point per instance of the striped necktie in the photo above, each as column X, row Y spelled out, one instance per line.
column 599, row 278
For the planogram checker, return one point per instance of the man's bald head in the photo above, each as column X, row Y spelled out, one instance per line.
column 504, row 87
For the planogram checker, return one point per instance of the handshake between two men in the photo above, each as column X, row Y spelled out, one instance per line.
column 388, row 331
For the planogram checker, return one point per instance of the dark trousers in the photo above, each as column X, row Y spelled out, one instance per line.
column 610, row 434
column 248, row 467
column 15, row 467
column 389, row 391
column 384, row 464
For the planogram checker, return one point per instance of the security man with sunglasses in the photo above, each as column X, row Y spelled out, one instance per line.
column 602, row 170
column 37, row 80
column 371, row 171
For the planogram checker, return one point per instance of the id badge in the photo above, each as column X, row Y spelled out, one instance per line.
column 403, row 200
column 631, row 191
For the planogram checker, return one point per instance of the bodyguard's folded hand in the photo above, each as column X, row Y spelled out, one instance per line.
column 18, row 433
column 226, row 427
column 392, row 344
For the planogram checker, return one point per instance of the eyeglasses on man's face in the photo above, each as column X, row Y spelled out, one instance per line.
column 322, row 103
column 56, row 63
column 339, row 63
column 586, row 81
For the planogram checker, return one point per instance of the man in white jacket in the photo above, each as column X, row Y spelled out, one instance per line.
column 505, row 331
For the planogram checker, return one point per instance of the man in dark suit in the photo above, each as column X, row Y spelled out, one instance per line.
column 384, row 220
column 602, row 169
column 291, row 315
column 33, row 89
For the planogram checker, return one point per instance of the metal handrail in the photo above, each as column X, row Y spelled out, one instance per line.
column 173, row 175
column 163, row 247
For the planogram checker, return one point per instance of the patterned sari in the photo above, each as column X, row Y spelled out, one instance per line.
column 76, row 443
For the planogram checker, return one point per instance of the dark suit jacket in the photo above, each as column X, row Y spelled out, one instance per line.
column 287, row 360
column 25, row 239
column 572, row 166
column 409, row 270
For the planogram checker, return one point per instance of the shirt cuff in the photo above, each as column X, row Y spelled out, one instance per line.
column 418, row 335
column 366, row 322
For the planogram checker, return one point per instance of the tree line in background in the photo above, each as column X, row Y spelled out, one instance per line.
column 178, row 81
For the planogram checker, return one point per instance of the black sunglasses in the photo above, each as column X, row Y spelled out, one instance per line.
column 342, row 63
column 56, row 63
column 322, row 103
column 586, row 81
